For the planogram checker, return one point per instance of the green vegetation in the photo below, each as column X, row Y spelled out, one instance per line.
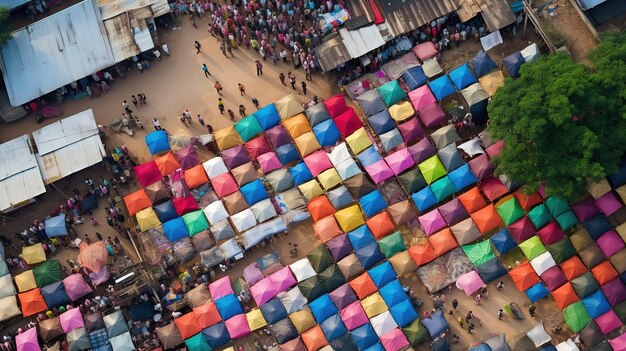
column 5, row 26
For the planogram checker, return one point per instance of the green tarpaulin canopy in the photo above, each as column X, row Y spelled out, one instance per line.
column 479, row 253
column 585, row 285
column 332, row 278
column 620, row 310
column 392, row 244
column 312, row 288
column 567, row 219
column 195, row 222
column 561, row 250
column 197, row 343
column 510, row 210
column 47, row 273
column 248, row 128
column 576, row 316
column 532, row 247
column 415, row 333
column 557, row 205
column 391, row 92
column 539, row 215
column 432, row 169
column 320, row 258
column 443, row 188
column 412, row 181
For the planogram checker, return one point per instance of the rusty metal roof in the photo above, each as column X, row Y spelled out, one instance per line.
column 332, row 52
column 496, row 13
column 406, row 15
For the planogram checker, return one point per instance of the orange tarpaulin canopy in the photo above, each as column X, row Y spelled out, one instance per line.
column 381, row 225
column 442, row 241
column 137, row 201
column 320, row 207
column 314, row 338
column 487, row 219
column 195, row 176
column 422, row 254
column 32, row 302
column 363, row 285
column 326, row 228
column 297, row 125
column 604, row 272
column 573, row 267
column 207, row 314
column 166, row 163
column 472, row 200
column 524, row 276
column 527, row 201
column 93, row 256
column 564, row 295
column 188, row 325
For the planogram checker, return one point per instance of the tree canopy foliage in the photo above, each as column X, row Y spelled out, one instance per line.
column 563, row 122
column 5, row 26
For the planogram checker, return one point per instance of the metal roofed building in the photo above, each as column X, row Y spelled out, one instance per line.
column 20, row 179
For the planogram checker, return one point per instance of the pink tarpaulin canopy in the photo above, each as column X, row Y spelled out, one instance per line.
column 550, row 234
column 608, row 322
column 619, row 343
column 521, row 229
column 432, row 115
column 336, row 105
column 585, row 209
column 495, row 149
column 224, row 185
column 263, row 291
column 76, row 286
column 608, row 203
column 220, row 288
column 186, row 204
column 100, row 277
column 482, row 167
column 237, row 326
column 400, row 161
column 610, row 243
column 283, row 279
column 421, row 150
column 317, row 162
column 432, row 221
column 353, row 315
column 147, row 173
column 93, row 256
column 71, row 319
column 252, row 274
column 27, row 340
column 425, row 50
column 493, row 188
column 411, row 130
column 379, row 171
column 257, row 146
column 422, row 97
column 469, row 282
column 348, row 122
column 269, row 162
column 394, row 340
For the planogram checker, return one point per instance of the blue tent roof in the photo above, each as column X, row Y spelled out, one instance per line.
column 403, row 313
column 441, row 87
column 165, row 211
column 142, row 311
column 372, row 203
column 55, row 226
column 548, row 347
column 54, row 294
column 462, row 77
column 369, row 156
column 381, row 122
column 597, row 225
column 369, row 255
column 619, row 178
column 333, row 327
column 462, row 177
column 414, row 78
column 326, row 133
column 424, row 199
column 273, row 311
column 376, row 347
column 344, row 343
column 228, row 306
column 364, row 336
column 217, row 335
column 392, row 293
column 287, row 154
column 322, row 308
column 300, row 173
column 435, row 324
column 483, row 64
column 382, row 274
column 361, row 237
column 157, row 141
column 512, row 63
column 503, row 242
column 175, row 229
column 267, row 116
column 491, row 270
column 596, row 304
column 481, row 347
column 254, row 192
column 536, row 292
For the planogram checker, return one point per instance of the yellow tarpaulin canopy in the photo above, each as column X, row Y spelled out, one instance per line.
column 402, row 263
column 297, row 125
column 227, row 138
column 373, row 305
column 349, row 218
column 33, row 254
column 492, row 82
column 288, row 106
column 329, row 178
column 358, row 141
column 307, row 143
column 401, row 111
column 255, row 319
column 8, row 308
column 303, row 320
column 25, row 281
column 310, row 189
column 147, row 219
column 597, row 189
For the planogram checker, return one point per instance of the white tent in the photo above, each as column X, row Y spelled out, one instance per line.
column 262, row 231
column 339, row 154
column 230, row 249
column 340, row 197
column 243, row 220
column 474, row 94
column 538, row 335
column 290, row 200
column 542, row 262
column 293, row 300
column 263, row 210
column 347, row 169
column 20, row 178
column 567, row 345
column 8, row 308
column 215, row 167
column 222, row 230
column 6, row 286
column 431, row 67
column 472, row 147
column 115, row 324
column 531, row 53
column 215, row 212
column 302, row 269
column 122, row 342
column 383, row 323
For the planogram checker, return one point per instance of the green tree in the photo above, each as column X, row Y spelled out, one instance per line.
column 5, row 26
column 561, row 123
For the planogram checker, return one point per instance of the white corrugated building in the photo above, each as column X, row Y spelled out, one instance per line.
column 20, row 179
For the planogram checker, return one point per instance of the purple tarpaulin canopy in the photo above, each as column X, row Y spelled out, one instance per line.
column 585, row 209
column 432, row 115
column 235, row 156
column 421, row 150
column 432, row 221
column 608, row 204
column 283, row 279
column 553, row 277
column 187, row 157
column 481, row 166
column 252, row 274
column 277, row 136
column 453, row 212
column 521, row 229
column 400, row 161
column 470, row 282
column 550, row 234
column 379, row 171
column 343, row 296
column 614, row 291
column 76, row 287
column 339, row 246
column 411, row 130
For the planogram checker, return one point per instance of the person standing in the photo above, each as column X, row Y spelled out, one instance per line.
column 303, row 84
column 500, row 285
column 292, row 80
column 231, row 115
column 205, row 69
column 470, row 327
column 281, row 76
column 183, row 119
column 259, row 68
column 133, row 98
column 156, row 124
column 218, row 87
column 220, row 105
column 500, row 314
column 255, row 102
column 242, row 111
column 242, row 89
column 455, row 303
column 531, row 310
column 165, row 49
column 198, row 47
column 201, row 120
column 187, row 115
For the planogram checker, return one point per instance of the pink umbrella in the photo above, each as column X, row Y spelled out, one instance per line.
column 237, row 326
column 317, row 162
column 422, row 97
column 263, row 291
column 394, row 340
column 608, row 204
column 379, row 171
column 257, row 146
column 432, row 221
column 27, row 341
column 283, row 279
column 353, row 315
column 432, row 115
column 469, row 282
column 224, row 185
column 269, row 162
column 76, row 286
column 220, row 288
column 147, row 173
column 348, row 122
column 400, row 161
column 71, row 319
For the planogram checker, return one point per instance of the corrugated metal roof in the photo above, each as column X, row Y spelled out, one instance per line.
column 20, row 178
column 406, row 15
column 65, row 132
column 121, row 37
column 589, row 4
column 360, row 8
column 467, row 10
column 332, row 53
column 112, row 8
column 496, row 13
column 11, row 4
column 361, row 41
column 55, row 51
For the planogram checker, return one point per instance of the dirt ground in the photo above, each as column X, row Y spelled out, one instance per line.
column 578, row 38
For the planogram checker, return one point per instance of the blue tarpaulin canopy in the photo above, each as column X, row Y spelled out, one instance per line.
column 597, row 225
column 90, row 203
column 55, row 226
column 491, row 270
column 381, row 122
column 142, row 311
column 165, row 211
column 596, row 304
column 273, row 311
column 392, row 293
column 619, row 178
column 300, row 173
column 228, row 306
column 424, row 199
column 54, row 294
column 372, row 203
column 175, row 229
column 287, row 154
column 382, row 274
column 512, row 63
column 333, row 327
column 403, row 313
column 157, row 141
column 414, row 78
column 371, row 103
column 326, row 133
column 364, row 336
column 369, row 156
column 536, row 292
column 436, row 324
column 503, row 242
column 441, row 87
column 462, row 177
column 254, row 192
column 267, row 116
column 361, row 237
column 322, row 308
column 217, row 335
column 369, row 255
column 462, row 77
column 483, row 64
column 481, row 347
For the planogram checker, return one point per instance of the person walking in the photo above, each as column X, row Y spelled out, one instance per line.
column 183, row 120
column 242, row 89
column 133, row 98
column 242, row 111
column 470, row 327
column 201, row 120
column 477, row 299
column 231, row 115
column 205, row 69
column 223, row 49
column 292, row 80
column 455, row 303
column 156, row 124
column 255, row 102
column 500, row 285
column 218, row 87
column 531, row 310
column 187, row 115
column 281, row 76
column 220, row 105
column 303, row 84
column 500, row 314
column 198, row 47
column 259, row 68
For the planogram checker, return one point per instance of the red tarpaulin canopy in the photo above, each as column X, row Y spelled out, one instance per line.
column 147, row 173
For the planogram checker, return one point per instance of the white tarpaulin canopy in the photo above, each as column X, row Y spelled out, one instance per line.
column 8, row 308
column 531, row 53
column 567, row 345
column 262, row 231
column 6, row 286
column 243, row 220
column 20, row 178
column 542, row 263
column 538, row 335
column 302, row 269
column 230, row 249
column 215, row 212
column 263, row 210
column 347, row 169
column 293, row 300
column 383, row 323
column 472, row 147
column 339, row 154
column 122, row 342
column 215, row 167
